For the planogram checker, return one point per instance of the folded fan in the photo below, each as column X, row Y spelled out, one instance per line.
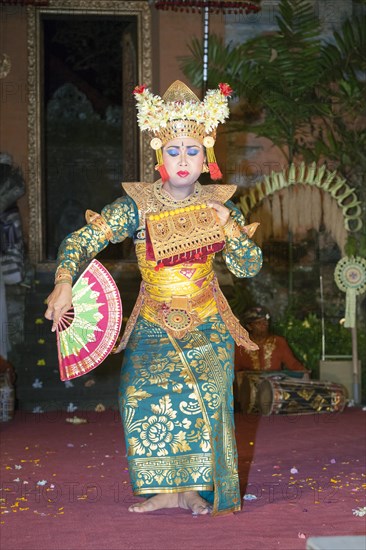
column 87, row 333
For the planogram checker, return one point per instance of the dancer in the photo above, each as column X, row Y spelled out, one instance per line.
column 175, row 396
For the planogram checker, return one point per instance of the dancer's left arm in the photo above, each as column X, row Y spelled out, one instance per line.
column 242, row 256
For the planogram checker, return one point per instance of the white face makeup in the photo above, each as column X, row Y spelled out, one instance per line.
column 183, row 159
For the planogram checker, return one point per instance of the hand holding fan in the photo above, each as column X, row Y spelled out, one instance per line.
column 87, row 333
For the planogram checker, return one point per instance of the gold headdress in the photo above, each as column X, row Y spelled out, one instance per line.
column 179, row 113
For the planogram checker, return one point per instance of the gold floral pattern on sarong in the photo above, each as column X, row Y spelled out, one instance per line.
column 174, row 406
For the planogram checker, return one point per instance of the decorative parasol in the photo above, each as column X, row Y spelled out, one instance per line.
column 350, row 277
column 86, row 334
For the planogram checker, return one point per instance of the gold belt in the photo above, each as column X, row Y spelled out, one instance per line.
column 177, row 321
column 187, row 303
column 178, row 315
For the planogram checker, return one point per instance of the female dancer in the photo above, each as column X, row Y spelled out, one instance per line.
column 176, row 381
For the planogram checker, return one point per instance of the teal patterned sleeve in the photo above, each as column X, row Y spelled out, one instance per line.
column 116, row 222
column 242, row 256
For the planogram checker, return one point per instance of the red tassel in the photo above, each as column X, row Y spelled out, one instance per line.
column 215, row 171
column 163, row 173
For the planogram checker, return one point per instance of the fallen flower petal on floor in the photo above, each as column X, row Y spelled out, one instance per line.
column 76, row 420
column 360, row 512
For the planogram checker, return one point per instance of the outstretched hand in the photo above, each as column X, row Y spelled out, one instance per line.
column 58, row 302
column 222, row 212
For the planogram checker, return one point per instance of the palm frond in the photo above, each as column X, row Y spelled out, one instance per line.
column 348, row 52
column 293, row 78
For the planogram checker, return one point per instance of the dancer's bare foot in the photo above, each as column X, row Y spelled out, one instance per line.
column 189, row 500
column 162, row 500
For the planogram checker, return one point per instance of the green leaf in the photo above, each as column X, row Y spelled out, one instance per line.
column 311, row 93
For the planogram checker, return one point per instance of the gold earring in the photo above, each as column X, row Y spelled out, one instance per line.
column 205, row 168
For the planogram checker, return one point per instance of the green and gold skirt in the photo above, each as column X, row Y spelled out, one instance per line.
column 176, row 404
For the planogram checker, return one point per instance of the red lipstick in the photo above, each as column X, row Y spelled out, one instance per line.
column 183, row 173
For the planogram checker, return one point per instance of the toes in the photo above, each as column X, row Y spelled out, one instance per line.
column 201, row 510
column 134, row 508
column 149, row 505
column 139, row 507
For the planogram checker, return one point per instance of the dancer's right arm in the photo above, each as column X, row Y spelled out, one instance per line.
column 116, row 222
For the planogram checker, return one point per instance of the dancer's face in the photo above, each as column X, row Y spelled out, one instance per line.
column 183, row 160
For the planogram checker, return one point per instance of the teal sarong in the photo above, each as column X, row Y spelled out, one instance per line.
column 176, row 404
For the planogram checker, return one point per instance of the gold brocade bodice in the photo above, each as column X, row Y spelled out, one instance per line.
column 185, row 286
column 181, row 279
column 177, row 297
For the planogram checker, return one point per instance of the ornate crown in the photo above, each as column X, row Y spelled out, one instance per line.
column 180, row 113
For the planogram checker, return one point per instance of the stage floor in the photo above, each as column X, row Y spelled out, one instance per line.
column 65, row 486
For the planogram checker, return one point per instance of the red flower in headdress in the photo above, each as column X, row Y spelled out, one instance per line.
column 225, row 89
column 139, row 89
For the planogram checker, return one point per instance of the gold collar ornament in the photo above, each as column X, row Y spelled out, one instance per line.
column 179, row 113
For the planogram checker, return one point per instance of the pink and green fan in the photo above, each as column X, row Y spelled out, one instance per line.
column 87, row 333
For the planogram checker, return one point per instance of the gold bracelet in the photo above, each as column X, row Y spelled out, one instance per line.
column 63, row 282
column 62, row 271
column 231, row 229
column 63, row 274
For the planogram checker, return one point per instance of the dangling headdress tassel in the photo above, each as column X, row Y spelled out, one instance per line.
column 213, row 167
column 156, row 144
